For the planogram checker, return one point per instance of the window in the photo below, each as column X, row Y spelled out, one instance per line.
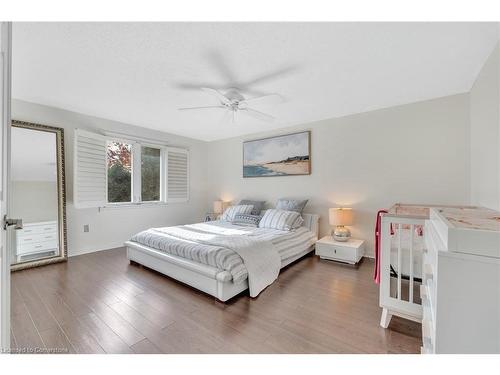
column 113, row 172
column 119, row 161
column 150, row 174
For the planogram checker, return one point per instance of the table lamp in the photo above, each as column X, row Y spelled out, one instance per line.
column 339, row 218
column 218, row 207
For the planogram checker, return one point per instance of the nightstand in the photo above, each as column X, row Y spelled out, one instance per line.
column 350, row 251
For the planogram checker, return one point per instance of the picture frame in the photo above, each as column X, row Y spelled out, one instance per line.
column 281, row 155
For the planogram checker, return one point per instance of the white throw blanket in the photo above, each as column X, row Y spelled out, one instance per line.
column 260, row 257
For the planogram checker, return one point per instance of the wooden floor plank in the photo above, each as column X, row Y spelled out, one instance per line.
column 145, row 347
column 25, row 333
column 56, row 341
column 98, row 303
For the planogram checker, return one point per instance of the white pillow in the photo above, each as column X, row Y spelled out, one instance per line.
column 281, row 220
column 232, row 211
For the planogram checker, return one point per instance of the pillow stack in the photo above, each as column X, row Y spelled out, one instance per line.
column 286, row 216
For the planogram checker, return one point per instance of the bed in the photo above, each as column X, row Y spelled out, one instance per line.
column 195, row 254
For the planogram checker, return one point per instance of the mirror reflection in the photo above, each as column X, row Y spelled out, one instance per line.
column 34, row 195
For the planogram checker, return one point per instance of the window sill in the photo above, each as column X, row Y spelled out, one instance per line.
column 116, row 206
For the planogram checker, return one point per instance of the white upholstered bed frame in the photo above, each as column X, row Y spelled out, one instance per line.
column 200, row 276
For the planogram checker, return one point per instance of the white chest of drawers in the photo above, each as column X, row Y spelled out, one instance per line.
column 461, row 282
column 36, row 238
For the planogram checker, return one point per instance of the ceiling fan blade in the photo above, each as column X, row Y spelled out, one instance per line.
column 194, row 85
column 205, row 107
column 226, row 118
column 225, row 72
column 219, row 96
column 258, row 114
column 268, row 99
column 280, row 73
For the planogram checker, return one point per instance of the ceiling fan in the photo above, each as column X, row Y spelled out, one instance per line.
column 232, row 101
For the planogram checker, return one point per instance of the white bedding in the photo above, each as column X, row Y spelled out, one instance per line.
column 216, row 244
column 261, row 259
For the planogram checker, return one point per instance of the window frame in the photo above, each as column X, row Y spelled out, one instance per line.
column 136, row 176
column 163, row 174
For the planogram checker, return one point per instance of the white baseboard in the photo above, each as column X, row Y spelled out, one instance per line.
column 74, row 253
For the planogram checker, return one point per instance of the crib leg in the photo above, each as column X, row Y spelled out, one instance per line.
column 385, row 319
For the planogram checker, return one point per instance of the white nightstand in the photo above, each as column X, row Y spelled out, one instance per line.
column 347, row 252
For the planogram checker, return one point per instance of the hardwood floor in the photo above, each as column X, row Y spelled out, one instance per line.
column 99, row 303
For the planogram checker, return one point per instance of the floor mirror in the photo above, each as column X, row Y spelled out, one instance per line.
column 38, row 195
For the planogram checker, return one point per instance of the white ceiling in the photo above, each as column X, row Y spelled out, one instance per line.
column 33, row 156
column 140, row 73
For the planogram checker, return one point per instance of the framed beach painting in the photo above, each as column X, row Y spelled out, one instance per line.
column 284, row 155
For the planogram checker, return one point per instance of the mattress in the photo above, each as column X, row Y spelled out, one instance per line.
column 288, row 243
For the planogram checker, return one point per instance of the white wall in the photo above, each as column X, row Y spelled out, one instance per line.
column 485, row 134
column 109, row 228
column 416, row 153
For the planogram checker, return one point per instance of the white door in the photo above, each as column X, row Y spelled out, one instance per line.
column 5, row 95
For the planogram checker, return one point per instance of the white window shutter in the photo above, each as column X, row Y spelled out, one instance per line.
column 177, row 174
column 89, row 180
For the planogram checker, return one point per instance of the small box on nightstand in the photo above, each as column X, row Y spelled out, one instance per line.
column 350, row 251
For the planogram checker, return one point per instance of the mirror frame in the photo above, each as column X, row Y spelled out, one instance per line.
column 61, row 197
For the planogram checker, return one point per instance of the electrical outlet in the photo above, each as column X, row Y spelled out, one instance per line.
column 86, row 228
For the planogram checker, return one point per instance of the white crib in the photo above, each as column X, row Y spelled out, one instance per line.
column 402, row 248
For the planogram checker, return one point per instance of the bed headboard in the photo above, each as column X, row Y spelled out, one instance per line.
column 311, row 221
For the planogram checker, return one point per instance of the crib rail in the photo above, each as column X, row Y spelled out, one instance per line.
column 400, row 258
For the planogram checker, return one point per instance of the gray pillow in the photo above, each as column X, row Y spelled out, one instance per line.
column 291, row 205
column 257, row 205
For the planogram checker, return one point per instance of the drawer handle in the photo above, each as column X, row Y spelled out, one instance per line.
column 28, row 239
column 47, row 228
column 27, row 231
column 38, row 246
column 48, row 236
column 335, row 251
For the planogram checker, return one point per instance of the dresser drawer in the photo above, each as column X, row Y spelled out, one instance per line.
column 35, row 238
column 340, row 253
column 335, row 251
column 37, row 247
column 30, row 230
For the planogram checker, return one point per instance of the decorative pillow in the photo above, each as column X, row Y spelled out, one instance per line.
column 247, row 220
column 258, row 206
column 231, row 212
column 291, row 205
column 281, row 220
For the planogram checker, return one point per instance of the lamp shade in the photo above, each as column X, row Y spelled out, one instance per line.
column 218, row 207
column 340, row 216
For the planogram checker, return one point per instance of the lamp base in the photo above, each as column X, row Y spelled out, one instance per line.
column 341, row 234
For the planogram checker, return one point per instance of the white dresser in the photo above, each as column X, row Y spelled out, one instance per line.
column 461, row 282
column 35, row 239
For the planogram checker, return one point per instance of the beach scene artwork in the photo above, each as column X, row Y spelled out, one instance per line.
column 284, row 155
